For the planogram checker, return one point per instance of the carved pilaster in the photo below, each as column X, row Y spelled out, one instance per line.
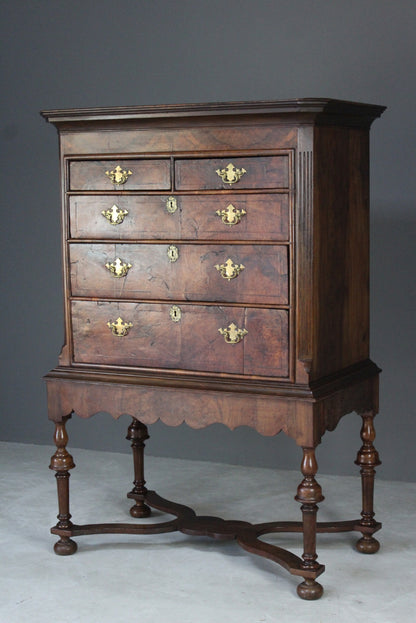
column 304, row 253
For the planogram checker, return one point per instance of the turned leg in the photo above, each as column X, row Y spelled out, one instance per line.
column 137, row 434
column 367, row 459
column 61, row 462
column 309, row 493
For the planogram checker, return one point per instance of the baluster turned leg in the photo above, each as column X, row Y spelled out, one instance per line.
column 137, row 434
column 61, row 462
column 367, row 459
column 309, row 493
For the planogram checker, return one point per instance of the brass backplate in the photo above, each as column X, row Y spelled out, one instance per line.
column 232, row 334
column 115, row 215
column 229, row 270
column 230, row 175
column 118, row 176
column 118, row 268
column 119, row 328
column 231, row 215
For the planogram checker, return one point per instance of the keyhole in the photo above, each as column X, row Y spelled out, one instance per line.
column 173, row 253
column 175, row 313
column 171, row 205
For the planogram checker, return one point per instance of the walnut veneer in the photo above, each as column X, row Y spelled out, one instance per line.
column 216, row 268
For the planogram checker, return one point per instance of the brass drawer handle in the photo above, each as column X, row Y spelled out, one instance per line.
column 119, row 328
column 115, row 215
column 230, row 175
column 229, row 270
column 118, row 268
column 230, row 215
column 173, row 253
column 233, row 335
column 171, row 205
column 118, row 176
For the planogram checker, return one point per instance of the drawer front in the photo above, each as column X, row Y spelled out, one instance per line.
column 230, row 273
column 232, row 173
column 122, row 217
column 119, row 175
column 190, row 217
column 192, row 342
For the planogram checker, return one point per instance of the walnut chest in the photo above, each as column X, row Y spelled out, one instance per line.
column 216, row 268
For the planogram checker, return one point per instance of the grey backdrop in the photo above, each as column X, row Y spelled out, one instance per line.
column 61, row 53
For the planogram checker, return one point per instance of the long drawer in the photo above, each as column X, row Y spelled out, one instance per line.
column 232, row 340
column 212, row 173
column 191, row 217
column 194, row 272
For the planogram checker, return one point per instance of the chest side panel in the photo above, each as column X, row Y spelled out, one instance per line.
column 341, row 249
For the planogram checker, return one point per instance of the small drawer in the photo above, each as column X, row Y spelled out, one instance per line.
column 133, row 217
column 119, row 175
column 189, row 217
column 228, row 340
column 227, row 273
column 232, row 173
column 148, row 340
column 235, row 216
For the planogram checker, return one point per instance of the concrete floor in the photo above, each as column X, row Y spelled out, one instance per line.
column 176, row 578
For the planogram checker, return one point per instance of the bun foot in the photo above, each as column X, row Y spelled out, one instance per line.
column 139, row 512
column 65, row 547
column 367, row 545
column 309, row 589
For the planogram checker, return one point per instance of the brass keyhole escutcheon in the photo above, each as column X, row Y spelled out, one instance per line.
column 230, row 175
column 118, row 176
column 119, row 328
column 230, row 215
column 229, row 270
column 118, row 268
column 171, row 205
column 175, row 313
column 232, row 334
column 173, row 253
column 115, row 215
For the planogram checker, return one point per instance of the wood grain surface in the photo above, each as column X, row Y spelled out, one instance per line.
column 146, row 174
column 266, row 217
column 193, row 343
column 192, row 277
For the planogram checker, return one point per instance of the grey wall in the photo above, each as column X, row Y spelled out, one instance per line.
column 72, row 53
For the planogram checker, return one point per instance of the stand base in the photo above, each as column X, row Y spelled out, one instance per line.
column 246, row 534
